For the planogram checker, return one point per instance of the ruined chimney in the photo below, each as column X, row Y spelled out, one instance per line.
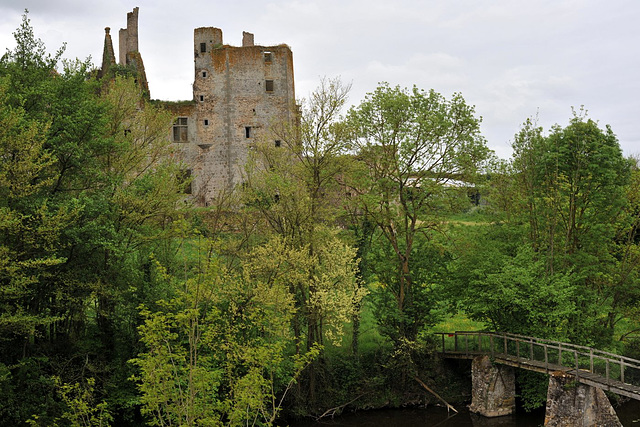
column 108, row 56
column 247, row 39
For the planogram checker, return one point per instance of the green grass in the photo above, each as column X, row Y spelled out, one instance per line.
column 474, row 216
column 458, row 322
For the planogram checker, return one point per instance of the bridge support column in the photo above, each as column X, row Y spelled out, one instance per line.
column 493, row 391
column 572, row 404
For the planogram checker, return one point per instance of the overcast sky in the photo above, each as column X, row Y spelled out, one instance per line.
column 512, row 59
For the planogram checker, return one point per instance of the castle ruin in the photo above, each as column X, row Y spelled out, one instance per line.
column 238, row 93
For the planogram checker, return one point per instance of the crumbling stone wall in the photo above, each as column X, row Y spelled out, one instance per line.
column 128, row 37
column 571, row 404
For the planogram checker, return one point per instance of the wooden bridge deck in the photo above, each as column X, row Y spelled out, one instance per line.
column 608, row 371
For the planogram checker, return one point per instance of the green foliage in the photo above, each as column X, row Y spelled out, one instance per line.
column 557, row 264
column 533, row 388
column 87, row 192
column 294, row 189
column 81, row 410
column 499, row 281
column 216, row 353
column 411, row 145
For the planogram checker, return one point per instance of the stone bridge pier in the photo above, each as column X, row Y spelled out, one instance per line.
column 572, row 404
column 493, row 391
column 569, row 403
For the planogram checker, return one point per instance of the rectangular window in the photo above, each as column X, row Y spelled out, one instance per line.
column 201, row 98
column 203, row 47
column 184, row 180
column 268, row 57
column 180, row 128
column 206, row 122
column 268, row 85
column 247, row 131
column 204, row 74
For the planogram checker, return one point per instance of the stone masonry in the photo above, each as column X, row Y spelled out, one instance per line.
column 238, row 93
column 571, row 404
column 493, row 388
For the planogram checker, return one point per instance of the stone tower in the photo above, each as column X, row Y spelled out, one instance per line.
column 238, row 92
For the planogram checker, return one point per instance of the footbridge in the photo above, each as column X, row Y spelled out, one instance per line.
column 567, row 364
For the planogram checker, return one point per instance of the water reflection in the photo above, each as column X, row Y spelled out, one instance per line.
column 429, row 417
column 629, row 415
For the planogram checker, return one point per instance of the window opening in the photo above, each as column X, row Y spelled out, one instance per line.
column 268, row 85
column 268, row 57
column 180, row 130
column 247, row 131
column 206, row 122
column 201, row 98
column 203, row 47
column 204, row 74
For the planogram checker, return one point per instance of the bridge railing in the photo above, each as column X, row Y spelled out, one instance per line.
column 548, row 354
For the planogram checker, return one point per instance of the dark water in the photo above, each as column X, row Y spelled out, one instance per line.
column 629, row 415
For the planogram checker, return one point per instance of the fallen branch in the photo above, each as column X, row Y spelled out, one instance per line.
column 449, row 407
column 332, row 411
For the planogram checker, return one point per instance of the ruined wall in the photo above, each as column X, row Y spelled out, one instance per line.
column 238, row 92
column 128, row 37
column 128, row 50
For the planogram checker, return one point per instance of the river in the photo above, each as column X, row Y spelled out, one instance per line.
column 629, row 415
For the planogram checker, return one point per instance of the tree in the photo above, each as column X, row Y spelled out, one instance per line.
column 88, row 192
column 216, row 353
column 557, row 265
column 294, row 188
column 417, row 153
